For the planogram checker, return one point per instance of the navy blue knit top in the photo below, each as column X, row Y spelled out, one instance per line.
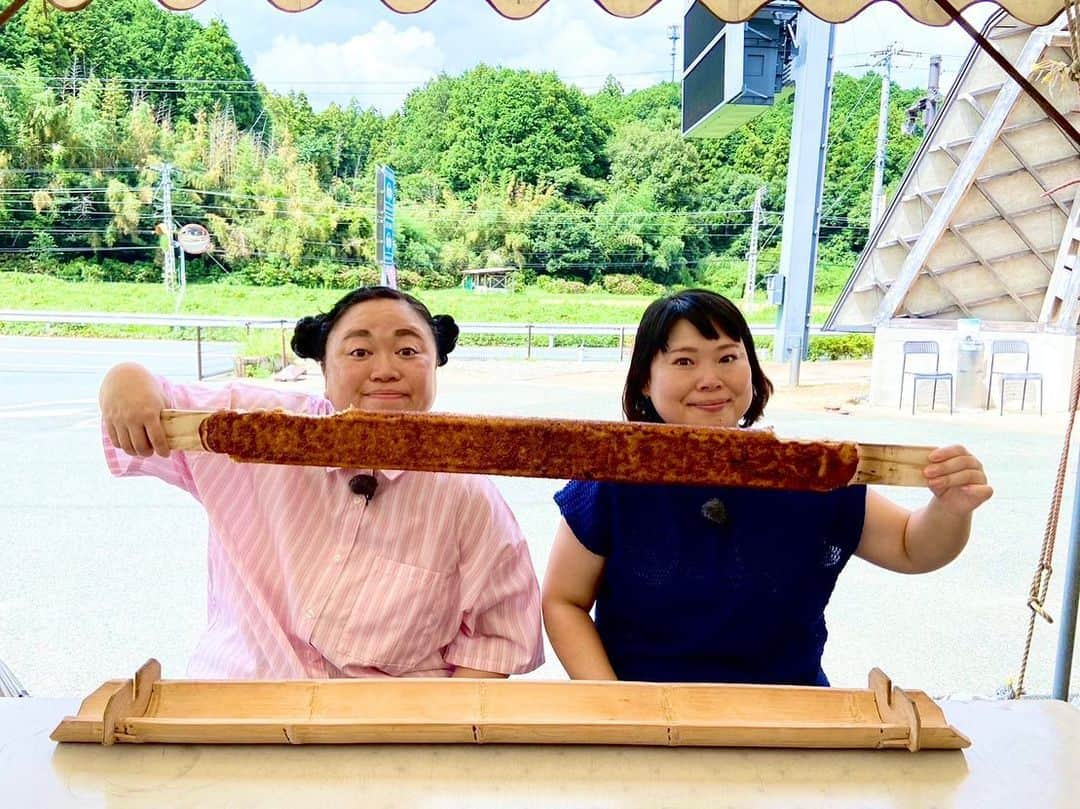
column 714, row 584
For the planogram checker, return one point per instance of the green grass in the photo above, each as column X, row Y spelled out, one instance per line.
column 27, row 291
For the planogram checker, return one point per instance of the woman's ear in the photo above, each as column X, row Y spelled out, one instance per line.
column 645, row 390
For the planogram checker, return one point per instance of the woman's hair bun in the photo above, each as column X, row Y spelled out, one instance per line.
column 446, row 335
column 309, row 337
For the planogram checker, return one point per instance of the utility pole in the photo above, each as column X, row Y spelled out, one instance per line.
column 673, row 35
column 181, row 287
column 169, row 266
column 928, row 104
column 933, row 92
column 877, row 198
column 752, row 255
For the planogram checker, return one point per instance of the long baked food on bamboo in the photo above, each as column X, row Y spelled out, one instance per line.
column 548, row 448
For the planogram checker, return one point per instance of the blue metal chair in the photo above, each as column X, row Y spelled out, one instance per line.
column 1015, row 348
column 928, row 348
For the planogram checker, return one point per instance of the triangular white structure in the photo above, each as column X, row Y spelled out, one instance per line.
column 983, row 223
column 983, row 233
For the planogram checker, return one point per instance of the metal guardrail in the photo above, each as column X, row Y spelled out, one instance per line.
column 199, row 322
column 132, row 319
column 223, row 321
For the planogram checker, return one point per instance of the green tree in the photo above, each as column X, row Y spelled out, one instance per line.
column 210, row 56
column 179, row 64
column 496, row 124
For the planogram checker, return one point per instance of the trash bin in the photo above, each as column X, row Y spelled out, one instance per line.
column 970, row 365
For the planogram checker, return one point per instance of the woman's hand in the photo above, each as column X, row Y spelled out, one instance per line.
column 131, row 402
column 957, row 480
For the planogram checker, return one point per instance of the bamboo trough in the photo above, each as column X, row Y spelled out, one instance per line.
column 449, row 711
column 547, row 448
column 147, row 708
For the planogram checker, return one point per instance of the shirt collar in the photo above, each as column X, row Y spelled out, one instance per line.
column 389, row 474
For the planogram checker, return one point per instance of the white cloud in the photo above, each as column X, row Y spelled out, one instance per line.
column 367, row 50
column 584, row 44
column 884, row 23
column 377, row 68
column 573, row 51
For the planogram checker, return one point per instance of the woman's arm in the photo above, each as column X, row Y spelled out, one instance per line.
column 931, row 537
column 570, row 585
column 131, row 402
column 497, row 608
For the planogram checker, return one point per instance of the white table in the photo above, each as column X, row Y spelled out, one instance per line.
column 1023, row 754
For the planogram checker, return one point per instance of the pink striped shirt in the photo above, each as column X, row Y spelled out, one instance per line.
column 307, row 579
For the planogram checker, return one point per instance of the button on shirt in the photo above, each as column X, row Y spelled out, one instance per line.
column 307, row 579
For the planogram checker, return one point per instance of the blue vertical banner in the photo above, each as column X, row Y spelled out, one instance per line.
column 385, row 204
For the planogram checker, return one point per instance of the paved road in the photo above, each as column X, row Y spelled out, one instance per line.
column 98, row 574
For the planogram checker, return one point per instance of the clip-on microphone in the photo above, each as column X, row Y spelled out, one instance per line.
column 364, row 485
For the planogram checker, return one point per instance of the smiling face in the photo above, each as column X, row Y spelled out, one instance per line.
column 700, row 381
column 380, row 355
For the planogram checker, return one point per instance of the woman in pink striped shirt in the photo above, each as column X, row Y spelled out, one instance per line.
column 327, row 572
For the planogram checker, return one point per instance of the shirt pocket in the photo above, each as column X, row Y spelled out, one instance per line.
column 395, row 616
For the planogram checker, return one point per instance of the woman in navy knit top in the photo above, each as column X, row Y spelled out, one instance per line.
column 706, row 584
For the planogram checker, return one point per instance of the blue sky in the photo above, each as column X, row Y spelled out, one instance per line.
column 359, row 48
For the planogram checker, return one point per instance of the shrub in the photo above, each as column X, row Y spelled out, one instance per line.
column 69, row 270
column 318, row 274
column 409, row 279
column 136, row 271
column 725, row 275
column 359, row 276
column 830, row 278
column 433, row 279
column 827, row 346
column 43, row 256
column 267, row 274
column 91, row 272
column 560, row 286
column 618, row 284
column 518, row 280
column 841, row 347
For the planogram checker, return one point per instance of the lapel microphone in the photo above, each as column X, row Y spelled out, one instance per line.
column 364, row 485
column 715, row 511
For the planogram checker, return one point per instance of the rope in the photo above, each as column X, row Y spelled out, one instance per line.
column 1040, row 583
column 11, row 11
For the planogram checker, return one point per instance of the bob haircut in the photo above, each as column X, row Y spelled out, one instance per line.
column 712, row 315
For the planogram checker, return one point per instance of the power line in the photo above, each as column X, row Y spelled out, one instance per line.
column 73, row 195
column 86, row 170
column 146, row 80
column 76, row 250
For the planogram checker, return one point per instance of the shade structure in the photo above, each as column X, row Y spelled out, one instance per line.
column 1034, row 12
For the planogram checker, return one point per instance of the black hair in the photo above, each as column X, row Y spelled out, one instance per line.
column 309, row 336
column 709, row 313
